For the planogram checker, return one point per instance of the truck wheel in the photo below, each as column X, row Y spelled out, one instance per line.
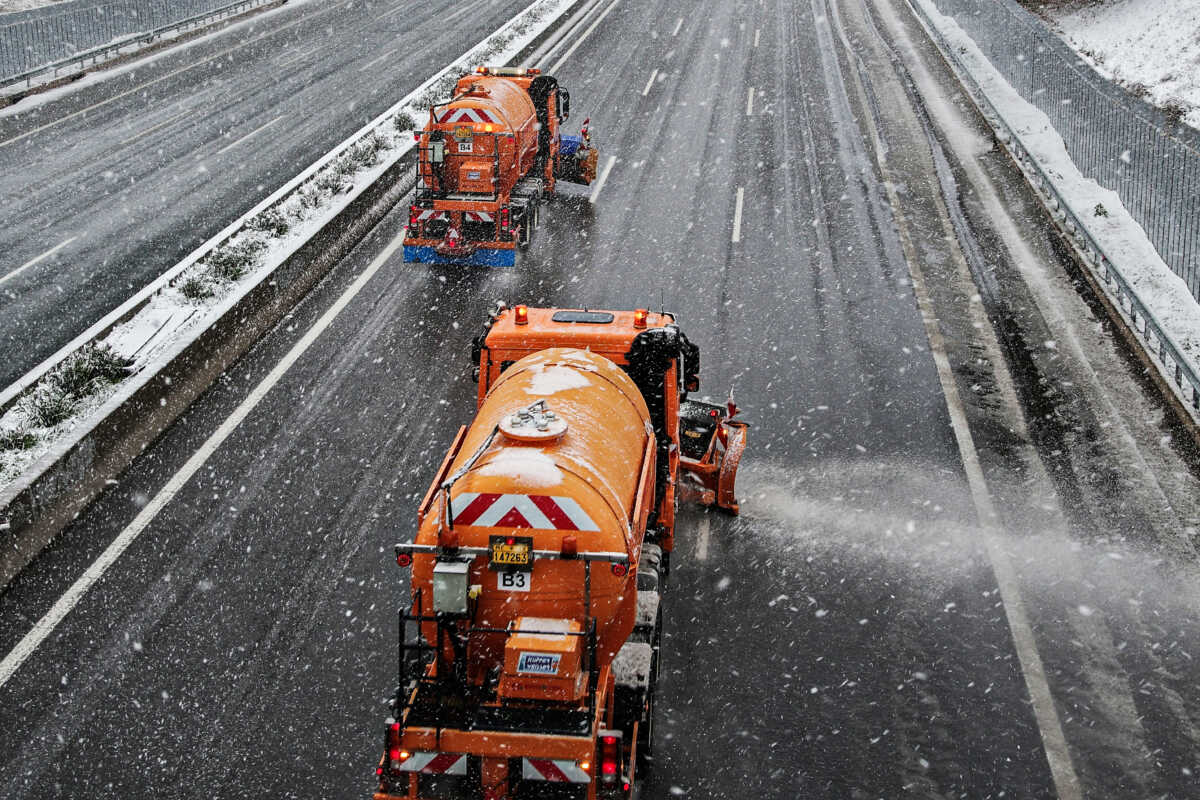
column 645, row 745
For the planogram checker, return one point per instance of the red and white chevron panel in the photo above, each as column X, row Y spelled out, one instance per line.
column 536, row 511
column 451, row 115
column 425, row 215
column 436, row 764
column 553, row 770
column 479, row 216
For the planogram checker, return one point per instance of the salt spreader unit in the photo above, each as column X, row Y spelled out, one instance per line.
column 530, row 655
column 487, row 160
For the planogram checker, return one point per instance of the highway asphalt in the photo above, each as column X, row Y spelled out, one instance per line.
column 107, row 186
column 965, row 562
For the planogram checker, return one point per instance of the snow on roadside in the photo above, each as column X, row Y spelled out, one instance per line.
column 1151, row 47
column 204, row 289
column 7, row 6
column 1129, row 250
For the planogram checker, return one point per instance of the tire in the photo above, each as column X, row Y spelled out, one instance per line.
column 526, row 229
column 645, row 744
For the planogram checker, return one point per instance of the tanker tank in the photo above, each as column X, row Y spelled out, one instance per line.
column 574, row 488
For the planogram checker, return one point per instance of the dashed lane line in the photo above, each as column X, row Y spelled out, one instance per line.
column 756, row 32
column 608, row 165
column 650, row 83
column 750, row 102
column 37, row 260
column 703, row 539
column 678, row 25
column 249, row 135
column 153, row 128
column 375, row 61
column 737, row 215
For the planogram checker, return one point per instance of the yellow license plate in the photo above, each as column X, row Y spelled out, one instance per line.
column 463, row 132
column 510, row 552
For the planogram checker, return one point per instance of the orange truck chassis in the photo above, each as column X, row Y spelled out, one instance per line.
column 529, row 658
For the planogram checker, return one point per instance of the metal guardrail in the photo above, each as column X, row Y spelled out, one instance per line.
column 57, row 39
column 1142, row 153
column 1177, row 368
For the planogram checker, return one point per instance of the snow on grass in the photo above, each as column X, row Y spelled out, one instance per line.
column 1129, row 250
column 203, row 289
column 1151, row 47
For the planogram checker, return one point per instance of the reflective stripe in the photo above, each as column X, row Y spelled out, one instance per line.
column 479, row 216
column 538, row 512
column 459, row 114
column 553, row 770
column 436, row 764
column 432, row 215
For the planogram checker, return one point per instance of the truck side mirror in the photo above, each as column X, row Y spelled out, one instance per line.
column 437, row 151
column 564, row 103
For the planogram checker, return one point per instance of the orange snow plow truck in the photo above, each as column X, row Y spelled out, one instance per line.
column 487, row 160
column 530, row 655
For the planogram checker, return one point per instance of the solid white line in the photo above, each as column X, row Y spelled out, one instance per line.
column 153, row 128
column 47, row 624
column 603, row 177
column 375, row 61
column 756, row 37
column 737, row 215
column 750, row 102
column 33, row 261
column 678, row 25
column 650, row 83
column 1054, row 742
column 702, row 542
column 254, row 132
column 581, row 38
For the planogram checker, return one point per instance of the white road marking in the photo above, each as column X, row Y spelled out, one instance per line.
column 292, row 59
column 702, row 542
column 1058, row 756
column 756, row 37
column 678, row 25
column 48, row 623
column 153, row 128
column 33, row 261
column 159, row 79
column 650, row 83
column 737, row 215
column 750, row 102
column 375, row 61
column 608, row 165
column 254, row 132
column 582, row 37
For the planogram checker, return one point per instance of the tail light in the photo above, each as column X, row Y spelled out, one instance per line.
column 414, row 219
column 404, row 560
column 619, row 570
column 639, row 318
column 610, row 756
column 521, row 314
column 505, row 219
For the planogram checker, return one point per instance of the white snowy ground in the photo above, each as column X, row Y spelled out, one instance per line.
column 24, row 5
column 1129, row 250
column 1150, row 46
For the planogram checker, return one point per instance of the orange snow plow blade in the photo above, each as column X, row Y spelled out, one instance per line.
column 711, row 444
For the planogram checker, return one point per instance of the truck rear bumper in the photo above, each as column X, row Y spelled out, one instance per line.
column 482, row 257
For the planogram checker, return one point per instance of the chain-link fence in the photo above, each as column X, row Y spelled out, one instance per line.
column 42, row 36
column 1145, row 155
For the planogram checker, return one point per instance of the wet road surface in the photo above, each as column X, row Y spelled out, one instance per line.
column 855, row 633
